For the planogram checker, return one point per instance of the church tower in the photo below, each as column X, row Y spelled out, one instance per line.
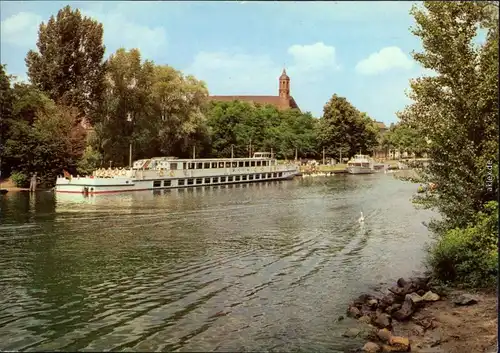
column 284, row 86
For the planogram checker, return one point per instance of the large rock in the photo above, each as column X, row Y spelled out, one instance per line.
column 365, row 319
column 430, row 297
column 371, row 347
column 382, row 320
column 465, row 299
column 407, row 309
column 351, row 332
column 354, row 312
column 384, row 335
column 420, row 283
column 386, row 301
column 402, row 344
column 393, row 308
column 415, row 298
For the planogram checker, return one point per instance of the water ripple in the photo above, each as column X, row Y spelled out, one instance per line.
column 257, row 267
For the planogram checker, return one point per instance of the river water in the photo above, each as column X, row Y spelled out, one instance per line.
column 256, row 267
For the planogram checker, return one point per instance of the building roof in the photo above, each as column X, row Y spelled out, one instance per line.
column 380, row 125
column 284, row 76
column 277, row 101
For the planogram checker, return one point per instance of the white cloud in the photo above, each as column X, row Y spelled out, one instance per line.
column 313, row 57
column 21, row 29
column 386, row 59
column 120, row 31
column 238, row 73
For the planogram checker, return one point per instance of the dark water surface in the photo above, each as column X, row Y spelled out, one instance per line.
column 248, row 268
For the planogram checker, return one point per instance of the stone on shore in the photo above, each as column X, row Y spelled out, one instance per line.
column 430, row 297
column 371, row 347
column 365, row 319
column 384, row 335
column 402, row 344
column 406, row 310
column 353, row 312
column 382, row 320
column 465, row 299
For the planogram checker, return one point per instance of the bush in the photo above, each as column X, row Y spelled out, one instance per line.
column 468, row 255
column 20, row 179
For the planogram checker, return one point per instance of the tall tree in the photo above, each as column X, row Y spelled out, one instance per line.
column 344, row 129
column 457, row 109
column 6, row 101
column 69, row 62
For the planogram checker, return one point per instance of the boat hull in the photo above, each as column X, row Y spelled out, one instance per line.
column 359, row 170
column 93, row 186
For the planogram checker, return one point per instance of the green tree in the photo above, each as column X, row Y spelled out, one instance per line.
column 344, row 129
column 68, row 65
column 457, row 109
column 6, row 101
column 178, row 107
column 125, row 108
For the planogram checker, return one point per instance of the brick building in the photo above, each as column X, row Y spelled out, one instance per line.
column 282, row 101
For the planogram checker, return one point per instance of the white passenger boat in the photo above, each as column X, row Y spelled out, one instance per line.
column 171, row 172
column 360, row 164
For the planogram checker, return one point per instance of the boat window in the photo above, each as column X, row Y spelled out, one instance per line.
column 247, row 163
column 235, row 164
column 199, row 181
column 228, row 164
column 264, row 163
column 215, row 180
column 252, row 164
column 257, row 176
column 222, row 179
column 206, row 165
column 199, row 165
column 180, row 182
column 167, row 182
column 258, row 163
column 214, row 164
column 280, row 175
column 240, row 164
column 173, row 166
column 157, row 183
column 274, row 175
column 221, row 164
column 190, row 165
column 207, row 180
column 243, row 177
column 229, row 178
column 237, row 178
column 250, row 177
column 190, row 181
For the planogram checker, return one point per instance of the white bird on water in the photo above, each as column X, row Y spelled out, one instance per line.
column 361, row 219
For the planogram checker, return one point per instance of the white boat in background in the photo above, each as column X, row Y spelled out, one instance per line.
column 171, row 172
column 360, row 164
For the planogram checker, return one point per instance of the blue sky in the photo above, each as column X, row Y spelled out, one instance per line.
column 359, row 50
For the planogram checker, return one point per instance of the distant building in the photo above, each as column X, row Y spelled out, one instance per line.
column 282, row 101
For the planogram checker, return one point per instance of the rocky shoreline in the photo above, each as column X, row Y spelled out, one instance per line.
column 412, row 316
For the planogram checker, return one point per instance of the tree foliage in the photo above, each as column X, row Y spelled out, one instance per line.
column 344, row 129
column 247, row 128
column 457, row 109
column 68, row 65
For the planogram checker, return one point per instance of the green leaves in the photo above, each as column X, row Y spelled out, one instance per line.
column 68, row 65
column 457, row 110
column 345, row 130
column 244, row 125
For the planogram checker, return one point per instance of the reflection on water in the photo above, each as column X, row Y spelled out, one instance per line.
column 265, row 266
